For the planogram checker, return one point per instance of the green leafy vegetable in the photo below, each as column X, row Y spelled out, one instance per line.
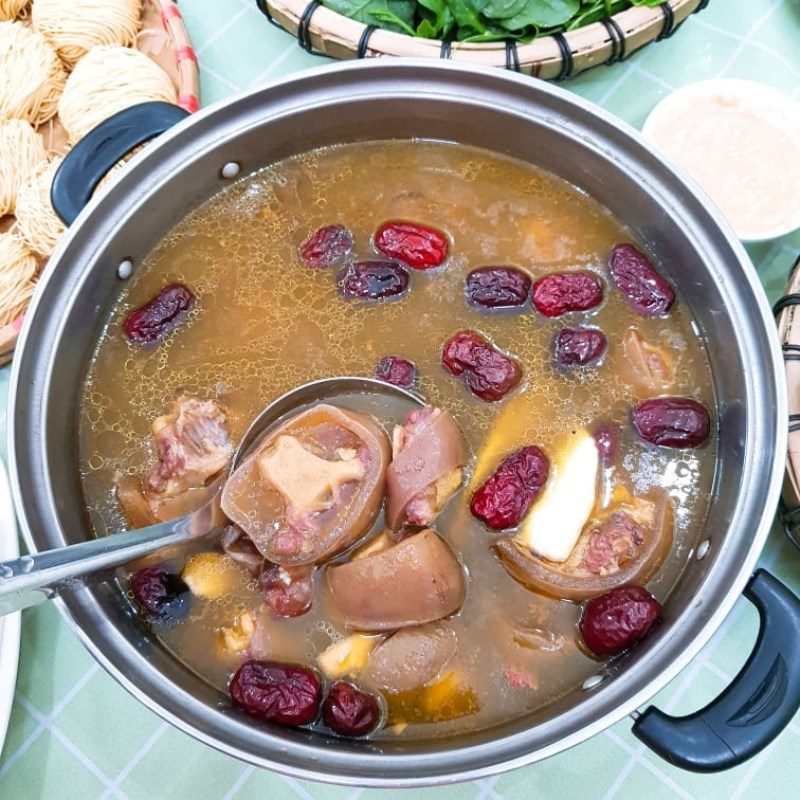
column 467, row 18
column 436, row 19
column 481, row 20
column 502, row 9
column 542, row 14
column 394, row 15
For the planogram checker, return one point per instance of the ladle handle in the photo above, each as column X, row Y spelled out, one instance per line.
column 30, row 579
column 104, row 146
column 759, row 703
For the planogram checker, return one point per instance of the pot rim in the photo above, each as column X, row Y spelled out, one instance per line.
column 305, row 754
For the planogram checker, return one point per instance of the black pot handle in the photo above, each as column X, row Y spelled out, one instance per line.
column 106, row 144
column 759, row 703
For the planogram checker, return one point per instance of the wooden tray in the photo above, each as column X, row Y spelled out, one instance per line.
column 165, row 40
column 318, row 29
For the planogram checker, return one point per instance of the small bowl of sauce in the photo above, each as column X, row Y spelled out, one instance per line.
column 740, row 140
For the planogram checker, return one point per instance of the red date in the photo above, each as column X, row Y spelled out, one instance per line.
column 579, row 346
column 617, row 619
column 163, row 595
column 326, row 246
column 488, row 373
column 417, row 246
column 396, row 370
column 349, row 711
column 508, row 494
column 559, row 292
column 497, row 287
column 373, row 280
column 288, row 591
column 288, row 694
column 645, row 289
column 159, row 316
column 672, row 422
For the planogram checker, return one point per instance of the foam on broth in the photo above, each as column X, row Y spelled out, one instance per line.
column 265, row 323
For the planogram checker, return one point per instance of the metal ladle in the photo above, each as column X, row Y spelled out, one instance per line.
column 31, row 579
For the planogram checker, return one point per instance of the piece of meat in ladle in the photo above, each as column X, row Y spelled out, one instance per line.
column 313, row 487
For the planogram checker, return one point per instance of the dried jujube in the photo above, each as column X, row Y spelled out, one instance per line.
column 373, row 280
column 672, row 421
column 487, row 372
column 417, row 246
column 396, row 370
column 349, row 711
column 560, row 292
column 163, row 595
column 508, row 493
column 160, row 315
column 497, row 287
column 288, row 694
column 579, row 346
column 326, row 246
column 645, row 289
column 617, row 619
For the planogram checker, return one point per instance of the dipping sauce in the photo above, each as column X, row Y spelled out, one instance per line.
column 740, row 140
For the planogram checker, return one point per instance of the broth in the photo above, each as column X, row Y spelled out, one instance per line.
column 264, row 323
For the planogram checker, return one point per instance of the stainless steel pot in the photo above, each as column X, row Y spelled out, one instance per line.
column 508, row 114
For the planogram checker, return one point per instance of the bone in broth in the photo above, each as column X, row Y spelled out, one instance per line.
column 411, row 571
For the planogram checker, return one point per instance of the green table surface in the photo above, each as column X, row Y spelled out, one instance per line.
column 74, row 733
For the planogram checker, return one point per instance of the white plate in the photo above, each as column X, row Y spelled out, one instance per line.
column 10, row 625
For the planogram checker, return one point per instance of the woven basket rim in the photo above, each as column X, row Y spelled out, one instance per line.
column 185, row 56
column 330, row 33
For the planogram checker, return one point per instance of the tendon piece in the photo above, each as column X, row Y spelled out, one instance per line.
column 411, row 657
column 647, row 368
column 429, row 454
column 416, row 581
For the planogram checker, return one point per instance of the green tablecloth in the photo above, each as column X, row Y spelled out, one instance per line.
column 75, row 734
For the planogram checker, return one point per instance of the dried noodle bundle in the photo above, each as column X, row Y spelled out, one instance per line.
column 31, row 75
column 106, row 80
column 21, row 149
column 74, row 28
column 38, row 225
column 10, row 9
column 18, row 267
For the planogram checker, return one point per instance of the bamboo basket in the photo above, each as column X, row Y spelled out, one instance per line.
column 787, row 312
column 165, row 40
column 558, row 57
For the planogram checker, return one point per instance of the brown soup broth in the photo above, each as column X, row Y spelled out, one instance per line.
column 265, row 323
